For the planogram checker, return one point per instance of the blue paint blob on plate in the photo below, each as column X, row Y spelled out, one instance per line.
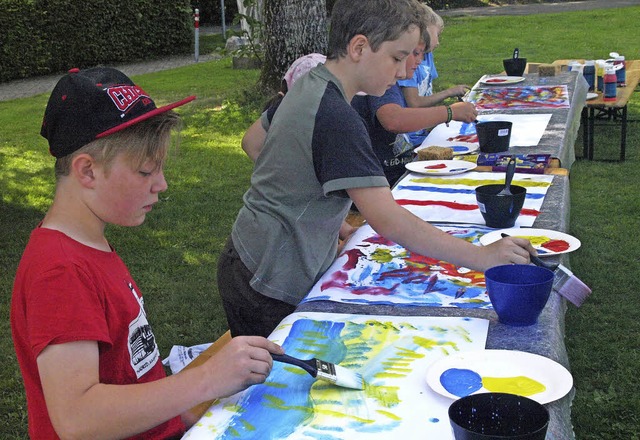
column 460, row 149
column 460, row 382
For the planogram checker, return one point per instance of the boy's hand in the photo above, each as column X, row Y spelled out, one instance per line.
column 464, row 112
column 458, row 90
column 509, row 250
column 244, row 361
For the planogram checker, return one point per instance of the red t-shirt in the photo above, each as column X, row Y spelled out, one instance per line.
column 65, row 291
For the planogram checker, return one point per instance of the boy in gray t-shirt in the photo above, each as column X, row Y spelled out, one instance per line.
column 317, row 159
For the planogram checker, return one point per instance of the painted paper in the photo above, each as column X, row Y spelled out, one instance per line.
column 453, row 199
column 373, row 270
column 527, row 130
column 520, row 98
column 392, row 353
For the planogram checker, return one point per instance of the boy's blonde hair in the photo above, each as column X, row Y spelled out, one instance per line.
column 432, row 19
column 378, row 20
column 145, row 141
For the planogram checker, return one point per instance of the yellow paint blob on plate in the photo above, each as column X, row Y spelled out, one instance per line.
column 521, row 385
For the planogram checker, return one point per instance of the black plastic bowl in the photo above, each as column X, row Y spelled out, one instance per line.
column 500, row 211
column 490, row 416
column 514, row 66
column 494, row 136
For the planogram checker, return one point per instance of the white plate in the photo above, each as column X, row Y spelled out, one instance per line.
column 591, row 95
column 542, row 239
column 500, row 80
column 440, row 167
column 504, row 364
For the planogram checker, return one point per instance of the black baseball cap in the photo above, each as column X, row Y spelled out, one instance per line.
column 89, row 104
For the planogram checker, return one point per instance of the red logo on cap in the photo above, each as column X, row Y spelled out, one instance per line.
column 126, row 96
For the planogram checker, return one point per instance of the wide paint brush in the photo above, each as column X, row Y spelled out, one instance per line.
column 564, row 282
column 320, row 369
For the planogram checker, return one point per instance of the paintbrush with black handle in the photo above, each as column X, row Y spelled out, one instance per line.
column 565, row 282
column 320, row 369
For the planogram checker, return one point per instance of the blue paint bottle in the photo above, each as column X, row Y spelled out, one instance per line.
column 600, row 66
column 621, row 73
column 589, row 73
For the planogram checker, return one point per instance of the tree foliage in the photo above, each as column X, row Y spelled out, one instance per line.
column 47, row 36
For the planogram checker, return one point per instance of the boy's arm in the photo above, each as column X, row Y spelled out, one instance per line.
column 415, row 100
column 398, row 119
column 253, row 140
column 397, row 224
column 81, row 407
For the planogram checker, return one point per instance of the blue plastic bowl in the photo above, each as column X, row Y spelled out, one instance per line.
column 518, row 292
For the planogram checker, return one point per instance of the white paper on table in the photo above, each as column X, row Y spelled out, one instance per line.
column 373, row 270
column 453, row 198
column 527, row 130
column 392, row 353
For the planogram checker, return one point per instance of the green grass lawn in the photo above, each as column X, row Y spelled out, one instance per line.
column 173, row 255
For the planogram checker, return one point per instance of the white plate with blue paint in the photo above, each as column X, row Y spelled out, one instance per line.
column 509, row 371
column 461, row 149
column 440, row 167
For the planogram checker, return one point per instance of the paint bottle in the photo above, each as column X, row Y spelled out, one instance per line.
column 621, row 73
column 589, row 73
column 600, row 66
column 610, row 84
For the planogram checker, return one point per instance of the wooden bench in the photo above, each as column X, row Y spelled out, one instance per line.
column 597, row 108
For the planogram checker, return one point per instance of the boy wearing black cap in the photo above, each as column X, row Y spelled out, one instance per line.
column 88, row 356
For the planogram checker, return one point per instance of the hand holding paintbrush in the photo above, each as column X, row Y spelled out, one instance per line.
column 565, row 282
column 324, row 370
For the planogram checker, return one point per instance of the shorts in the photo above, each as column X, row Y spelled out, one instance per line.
column 248, row 312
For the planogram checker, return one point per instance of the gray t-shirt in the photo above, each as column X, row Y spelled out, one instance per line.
column 317, row 146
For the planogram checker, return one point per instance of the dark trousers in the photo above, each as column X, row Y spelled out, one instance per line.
column 248, row 312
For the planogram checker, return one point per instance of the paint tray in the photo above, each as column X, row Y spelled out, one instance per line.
column 525, row 163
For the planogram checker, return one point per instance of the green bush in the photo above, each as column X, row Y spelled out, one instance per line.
column 22, row 52
column 48, row 36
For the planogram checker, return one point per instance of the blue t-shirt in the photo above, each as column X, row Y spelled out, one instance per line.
column 393, row 150
column 423, row 76
column 422, row 80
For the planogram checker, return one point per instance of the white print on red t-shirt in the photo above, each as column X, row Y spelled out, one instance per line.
column 143, row 350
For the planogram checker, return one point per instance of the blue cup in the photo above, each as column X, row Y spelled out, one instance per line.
column 518, row 292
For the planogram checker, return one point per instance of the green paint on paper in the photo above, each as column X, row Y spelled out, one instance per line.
column 386, row 396
column 382, row 256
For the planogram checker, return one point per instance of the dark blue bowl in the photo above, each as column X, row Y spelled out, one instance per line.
column 518, row 292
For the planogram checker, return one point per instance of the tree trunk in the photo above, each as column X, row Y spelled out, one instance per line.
column 292, row 28
column 253, row 10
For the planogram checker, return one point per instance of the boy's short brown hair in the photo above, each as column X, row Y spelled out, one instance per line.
column 144, row 141
column 378, row 20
